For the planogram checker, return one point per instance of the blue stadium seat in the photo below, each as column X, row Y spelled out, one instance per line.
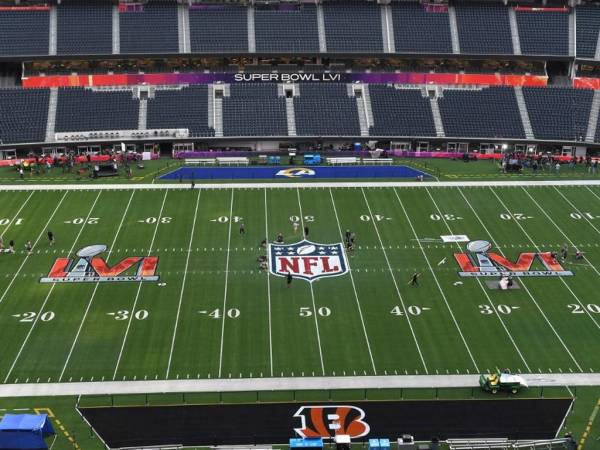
column 400, row 112
column 185, row 108
column 588, row 27
column 288, row 28
column 416, row 30
column 326, row 110
column 24, row 114
column 353, row 26
column 490, row 112
column 484, row 29
column 254, row 110
column 218, row 28
column 84, row 27
column 543, row 33
column 80, row 109
column 152, row 31
column 24, row 33
column 558, row 113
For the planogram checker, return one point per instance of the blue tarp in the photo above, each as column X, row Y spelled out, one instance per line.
column 24, row 431
column 291, row 173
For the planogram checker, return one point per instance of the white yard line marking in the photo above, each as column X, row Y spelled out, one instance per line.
column 312, row 292
column 525, row 287
column 17, row 214
column 224, row 311
column 481, row 284
column 187, row 262
column 137, row 295
column 360, row 313
column 435, row 276
column 269, row 288
column 34, row 244
column 37, row 316
column 94, row 292
column 391, row 270
column 293, row 185
column 572, row 244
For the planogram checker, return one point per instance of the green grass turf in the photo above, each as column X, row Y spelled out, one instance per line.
column 442, row 169
column 63, row 408
column 233, row 321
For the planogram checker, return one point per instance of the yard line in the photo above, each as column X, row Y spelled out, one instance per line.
column 17, row 214
column 224, row 312
column 34, row 244
column 571, row 242
column 187, row 262
column 37, row 316
column 269, row 288
column 525, row 287
column 312, row 292
column 94, row 292
column 137, row 295
column 362, row 321
column 391, row 270
column 481, row 284
column 435, row 276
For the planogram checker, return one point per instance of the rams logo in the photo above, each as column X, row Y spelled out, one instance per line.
column 299, row 172
column 329, row 421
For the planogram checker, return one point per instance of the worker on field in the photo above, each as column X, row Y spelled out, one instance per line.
column 50, row 237
column 11, row 246
column 1, row 244
column 29, row 247
column 279, row 238
column 564, row 251
column 414, row 280
column 242, row 228
column 289, row 279
column 295, row 225
column 263, row 243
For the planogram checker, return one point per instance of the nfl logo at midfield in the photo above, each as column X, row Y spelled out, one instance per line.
column 307, row 260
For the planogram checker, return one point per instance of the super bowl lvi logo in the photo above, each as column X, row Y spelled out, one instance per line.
column 307, row 260
column 480, row 262
column 90, row 268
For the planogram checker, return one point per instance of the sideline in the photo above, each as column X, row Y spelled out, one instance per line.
column 309, row 184
column 280, row 384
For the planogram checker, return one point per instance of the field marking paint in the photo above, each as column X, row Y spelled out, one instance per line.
column 269, row 288
column 391, row 271
column 434, row 275
column 94, row 292
column 572, row 244
column 34, row 244
column 39, row 313
column 137, row 295
column 16, row 214
column 590, row 423
column 187, row 262
column 226, row 285
column 312, row 292
column 360, row 313
column 527, row 289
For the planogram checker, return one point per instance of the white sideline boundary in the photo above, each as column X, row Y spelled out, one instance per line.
column 294, row 185
column 281, row 384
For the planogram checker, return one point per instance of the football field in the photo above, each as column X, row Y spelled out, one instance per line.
column 214, row 313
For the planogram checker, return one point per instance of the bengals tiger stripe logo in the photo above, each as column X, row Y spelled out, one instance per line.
column 329, row 421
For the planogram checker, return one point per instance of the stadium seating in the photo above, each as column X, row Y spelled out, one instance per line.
column 287, row 28
column 543, row 33
column 491, row 112
column 218, row 28
column 326, row 110
column 558, row 113
column 80, row 109
column 588, row 27
column 84, row 27
column 23, row 113
column 154, row 30
column 24, row 33
column 419, row 31
column 185, row 108
column 400, row 112
column 254, row 110
column 484, row 29
column 353, row 26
